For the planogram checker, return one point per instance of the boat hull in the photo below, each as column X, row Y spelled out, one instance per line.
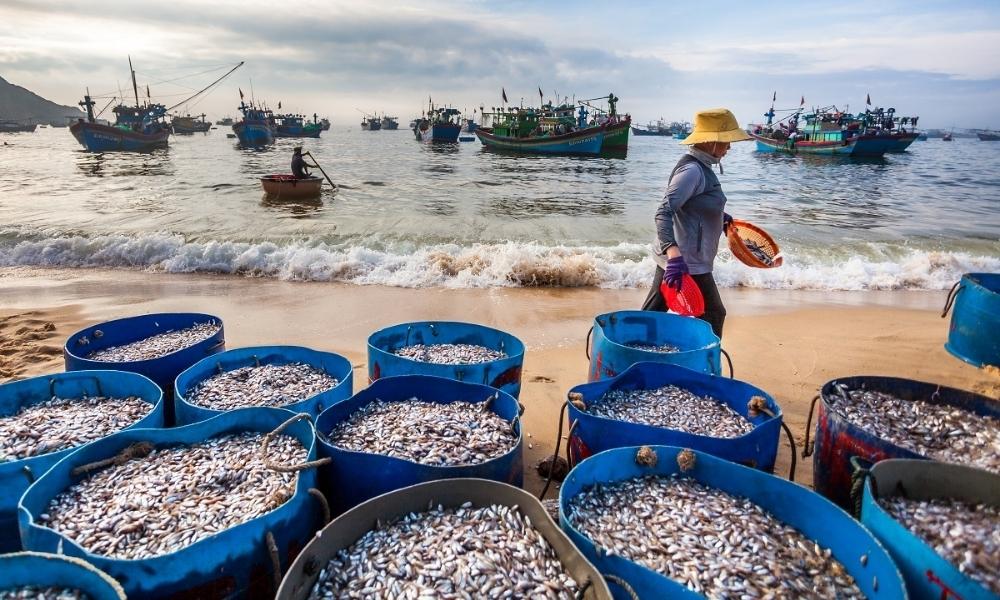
column 373, row 126
column 989, row 137
column 8, row 128
column 182, row 130
column 299, row 132
column 253, row 134
column 803, row 147
column 287, row 187
column 587, row 142
column 103, row 138
column 639, row 131
column 439, row 133
column 616, row 138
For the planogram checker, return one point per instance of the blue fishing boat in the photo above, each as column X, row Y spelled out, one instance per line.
column 816, row 136
column 295, row 126
column 522, row 130
column 439, row 125
column 256, row 128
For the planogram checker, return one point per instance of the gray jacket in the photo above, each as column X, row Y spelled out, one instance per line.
column 691, row 215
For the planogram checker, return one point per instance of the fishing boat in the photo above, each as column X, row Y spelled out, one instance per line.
column 946, row 137
column 289, row 187
column 877, row 131
column 520, row 130
column 8, row 126
column 372, row 123
column 469, row 126
column 390, row 123
column 189, row 124
column 256, row 128
column 988, row 136
column 295, row 126
column 225, row 122
column 439, row 125
column 616, row 126
column 815, row 137
column 324, row 123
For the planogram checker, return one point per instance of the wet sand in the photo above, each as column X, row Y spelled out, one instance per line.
column 787, row 343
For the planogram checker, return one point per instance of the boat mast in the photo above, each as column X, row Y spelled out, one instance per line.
column 135, row 88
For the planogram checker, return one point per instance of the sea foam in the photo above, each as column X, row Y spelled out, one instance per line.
column 507, row 264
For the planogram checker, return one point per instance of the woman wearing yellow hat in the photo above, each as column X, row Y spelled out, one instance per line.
column 691, row 218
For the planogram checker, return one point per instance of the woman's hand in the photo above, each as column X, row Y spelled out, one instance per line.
column 673, row 275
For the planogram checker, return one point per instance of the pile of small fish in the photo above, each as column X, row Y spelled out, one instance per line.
column 938, row 431
column 488, row 552
column 61, row 423
column 451, row 354
column 34, row 592
column 662, row 348
column 674, row 408
column 758, row 252
column 966, row 535
column 157, row 345
column 264, row 385
column 716, row 544
column 430, row 433
column 173, row 497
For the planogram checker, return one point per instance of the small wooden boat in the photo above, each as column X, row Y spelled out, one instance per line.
column 288, row 187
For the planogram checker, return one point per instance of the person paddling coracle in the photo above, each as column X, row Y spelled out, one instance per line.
column 299, row 165
column 691, row 217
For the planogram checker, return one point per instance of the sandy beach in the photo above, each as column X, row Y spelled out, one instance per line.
column 788, row 343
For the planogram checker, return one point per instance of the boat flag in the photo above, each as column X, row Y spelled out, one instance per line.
column 541, row 96
column 868, row 99
column 147, row 92
column 774, row 98
column 279, row 104
column 241, row 93
column 503, row 93
column 803, row 101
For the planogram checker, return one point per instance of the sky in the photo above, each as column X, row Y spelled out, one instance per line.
column 938, row 60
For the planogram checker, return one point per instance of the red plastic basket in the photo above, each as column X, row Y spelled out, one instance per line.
column 688, row 301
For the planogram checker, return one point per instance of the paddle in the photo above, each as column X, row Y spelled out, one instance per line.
column 316, row 162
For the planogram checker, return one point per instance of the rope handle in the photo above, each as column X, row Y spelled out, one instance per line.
column 318, row 495
column 569, row 447
column 952, row 295
column 860, row 470
column 807, row 448
column 289, row 468
column 219, row 344
column 729, row 360
column 629, row 590
column 272, row 550
column 97, row 384
column 586, row 350
column 555, row 453
column 758, row 404
column 136, row 450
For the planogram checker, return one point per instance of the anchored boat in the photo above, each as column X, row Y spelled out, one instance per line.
column 522, row 130
column 815, row 137
column 189, row 124
column 289, row 187
column 390, row 123
column 295, row 126
column 616, row 126
column 256, row 128
column 439, row 125
column 17, row 127
column 372, row 123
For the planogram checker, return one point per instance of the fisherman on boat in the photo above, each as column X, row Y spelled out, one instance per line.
column 299, row 164
column 691, row 217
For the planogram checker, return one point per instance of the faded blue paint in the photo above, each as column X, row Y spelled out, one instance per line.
column 974, row 333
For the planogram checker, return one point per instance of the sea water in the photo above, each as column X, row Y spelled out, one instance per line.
column 415, row 215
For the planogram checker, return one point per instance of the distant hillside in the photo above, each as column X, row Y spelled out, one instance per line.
column 19, row 104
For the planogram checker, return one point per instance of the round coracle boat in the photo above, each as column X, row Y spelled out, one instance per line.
column 289, row 186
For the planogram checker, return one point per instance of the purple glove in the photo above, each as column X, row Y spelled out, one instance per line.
column 727, row 220
column 674, row 273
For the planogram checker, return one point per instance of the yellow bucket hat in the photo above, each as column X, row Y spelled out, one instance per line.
column 715, row 125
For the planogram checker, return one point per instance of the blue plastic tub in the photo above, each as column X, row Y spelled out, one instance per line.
column 17, row 475
column 353, row 477
column 816, row 517
column 838, row 440
column 44, row 570
column 974, row 334
column 609, row 353
column 504, row 374
column 334, row 365
column 230, row 564
column 928, row 575
column 592, row 434
column 162, row 370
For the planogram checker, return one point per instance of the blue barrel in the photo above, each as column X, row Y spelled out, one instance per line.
column 816, row 517
column 504, row 374
column 838, row 440
column 700, row 349
column 44, row 570
column 334, row 365
column 229, row 564
column 17, row 475
column 928, row 575
column 353, row 477
column 162, row 370
column 346, row 529
column 591, row 434
column 974, row 334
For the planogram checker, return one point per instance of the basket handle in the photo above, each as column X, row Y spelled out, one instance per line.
column 586, row 349
column 807, row 448
column 729, row 360
column 952, row 295
column 861, row 469
column 97, row 383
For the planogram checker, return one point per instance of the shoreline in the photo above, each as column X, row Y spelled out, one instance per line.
column 786, row 342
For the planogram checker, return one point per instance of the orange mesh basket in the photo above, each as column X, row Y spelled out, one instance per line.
column 752, row 246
